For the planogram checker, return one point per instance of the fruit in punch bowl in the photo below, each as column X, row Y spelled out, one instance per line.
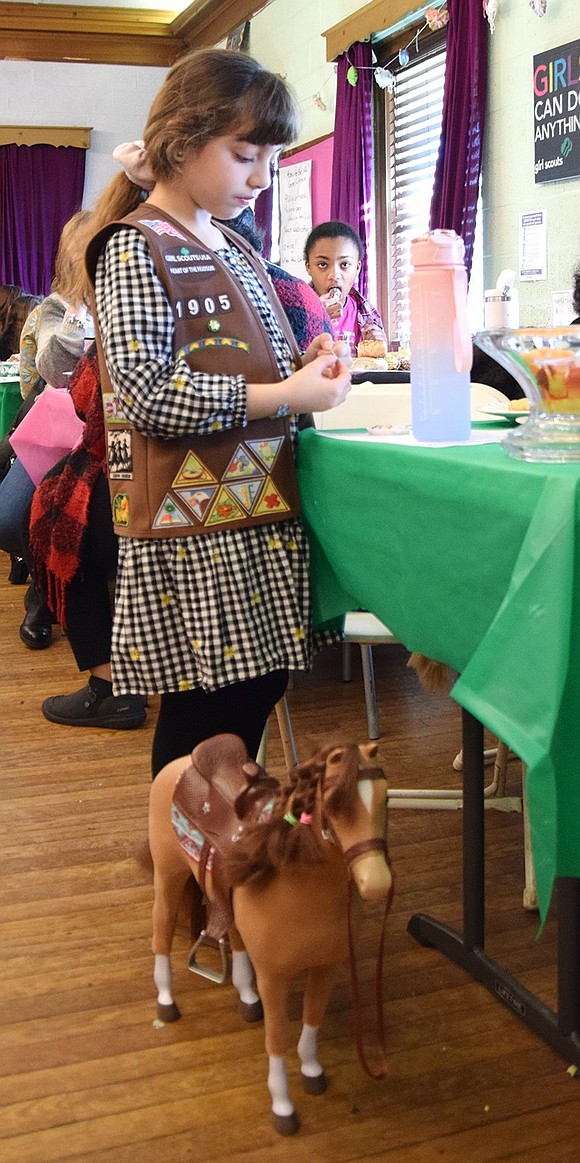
column 545, row 361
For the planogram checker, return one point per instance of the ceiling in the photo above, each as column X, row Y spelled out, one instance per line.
column 124, row 33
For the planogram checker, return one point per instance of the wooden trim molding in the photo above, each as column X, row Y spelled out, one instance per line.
column 373, row 18
column 45, row 135
column 122, row 36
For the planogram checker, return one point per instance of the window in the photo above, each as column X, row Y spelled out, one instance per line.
column 408, row 131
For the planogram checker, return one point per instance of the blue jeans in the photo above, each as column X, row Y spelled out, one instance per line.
column 16, row 491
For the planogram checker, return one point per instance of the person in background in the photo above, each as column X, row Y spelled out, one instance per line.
column 15, row 306
column 333, row 254
column 576, row 294
column 212, row 621
column 52, row 341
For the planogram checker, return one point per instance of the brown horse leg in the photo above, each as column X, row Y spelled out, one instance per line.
column 273, row 992
column 171, row 871
column 319, row 985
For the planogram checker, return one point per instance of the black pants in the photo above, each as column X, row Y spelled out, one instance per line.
column 87, row 605
column 187, row 718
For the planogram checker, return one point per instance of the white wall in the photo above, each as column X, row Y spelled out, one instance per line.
column 113, row 99
column 509, row 187
column 287, row 38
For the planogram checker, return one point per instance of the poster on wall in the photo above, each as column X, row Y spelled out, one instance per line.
column 295, row 215
column 533, row 246
column 557, row 113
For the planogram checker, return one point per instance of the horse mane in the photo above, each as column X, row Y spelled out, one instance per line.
column 270, row 843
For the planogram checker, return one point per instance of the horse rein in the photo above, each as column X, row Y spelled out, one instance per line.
column 375, row 844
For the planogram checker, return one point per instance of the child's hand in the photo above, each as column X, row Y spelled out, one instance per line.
column 321, row 384
column 371, row 331
column 333, row 303
column 322, row 344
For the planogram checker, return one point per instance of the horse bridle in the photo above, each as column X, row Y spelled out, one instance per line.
column 375, row 844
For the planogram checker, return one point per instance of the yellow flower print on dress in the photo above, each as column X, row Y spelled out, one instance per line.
column 134, row 654
column 256, row 599
column 216, row 556
column 229, row 652
column 124, row 256
column 183, row 684
column 134, row 345
column 274, row 542
column 166, row 599
column 291, row 544
column 196, row 643
column 181, row 552
column 180, row 383
column 216, row 426
column 298, row 633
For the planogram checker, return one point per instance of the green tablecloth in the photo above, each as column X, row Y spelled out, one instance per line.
column 471, row 558
column 10, row 401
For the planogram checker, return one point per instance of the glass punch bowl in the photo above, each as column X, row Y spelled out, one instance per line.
column 545, row 361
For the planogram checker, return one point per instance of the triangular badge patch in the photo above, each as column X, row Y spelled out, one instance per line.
column 271, row 500
column 193, row 472
column 198, row 500
column 224, row 509
column 169, row 515
column 266, row 450
column 241, row 465
column 246, row 492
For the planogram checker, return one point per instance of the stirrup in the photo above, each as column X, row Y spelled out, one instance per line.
column 218, row 976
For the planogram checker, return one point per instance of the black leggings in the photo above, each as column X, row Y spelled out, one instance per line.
column 187, row 718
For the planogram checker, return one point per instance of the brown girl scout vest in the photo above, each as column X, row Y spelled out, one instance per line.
column 230, row 479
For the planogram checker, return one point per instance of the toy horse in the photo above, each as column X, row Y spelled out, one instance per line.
column 275, row 862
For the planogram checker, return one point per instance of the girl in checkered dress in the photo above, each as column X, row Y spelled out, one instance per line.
column 212, row 622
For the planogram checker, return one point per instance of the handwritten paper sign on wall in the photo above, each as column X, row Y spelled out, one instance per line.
column 295, row 215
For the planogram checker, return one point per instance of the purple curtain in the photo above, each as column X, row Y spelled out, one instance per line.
column 263, row 210
column 456, row 183
column 41, row 187
column 350, row 195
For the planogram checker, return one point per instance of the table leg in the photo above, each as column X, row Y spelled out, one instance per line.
column 560, row 1030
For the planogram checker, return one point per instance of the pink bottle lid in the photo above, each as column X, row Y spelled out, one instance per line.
column 437, row 248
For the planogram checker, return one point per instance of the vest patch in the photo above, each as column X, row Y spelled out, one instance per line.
column 241, row 465
column 198, row 500
column 246, row 492
column 271, row 500
column 266, row 451
column 193, row 471
column 119, row 454
column 225, row 509
column 169, row 515
column 211, row 341
column 159, row 227
column 121, row 509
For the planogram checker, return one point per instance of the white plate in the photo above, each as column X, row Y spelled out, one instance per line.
column 504, row 413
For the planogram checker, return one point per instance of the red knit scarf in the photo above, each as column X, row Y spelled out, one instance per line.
column 59, row 513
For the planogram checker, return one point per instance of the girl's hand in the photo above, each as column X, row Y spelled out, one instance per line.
column 324, row 343
column 333, row 304
column 371, row 331
column 320, row 385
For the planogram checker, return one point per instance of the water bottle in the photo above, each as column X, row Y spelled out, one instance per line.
column 441, row 348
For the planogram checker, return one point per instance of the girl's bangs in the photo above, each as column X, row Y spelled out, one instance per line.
column 271, row 111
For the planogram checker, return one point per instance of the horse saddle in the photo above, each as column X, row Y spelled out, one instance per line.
column 217, row 794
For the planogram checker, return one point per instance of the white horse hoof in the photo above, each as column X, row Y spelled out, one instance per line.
column 170, row 1013
column 251, row 1011
column 314, row 1084
column 286, row 1124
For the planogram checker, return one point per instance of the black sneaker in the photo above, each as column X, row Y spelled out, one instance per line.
column 89, row 708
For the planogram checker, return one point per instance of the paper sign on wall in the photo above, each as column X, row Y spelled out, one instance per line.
column 533, row 246
column 295, row 215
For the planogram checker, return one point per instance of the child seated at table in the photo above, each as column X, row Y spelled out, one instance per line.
column 333, row 255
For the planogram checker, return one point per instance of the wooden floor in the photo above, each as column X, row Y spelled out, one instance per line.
column 86, row 1075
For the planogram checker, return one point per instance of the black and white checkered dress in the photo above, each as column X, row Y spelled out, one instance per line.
column 208, row 610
